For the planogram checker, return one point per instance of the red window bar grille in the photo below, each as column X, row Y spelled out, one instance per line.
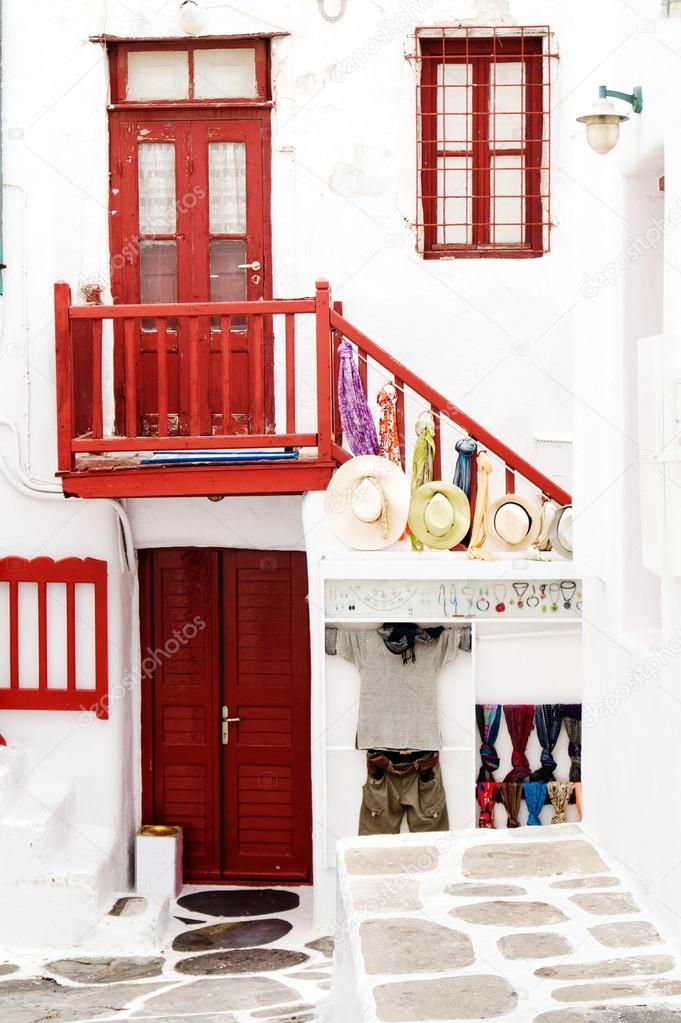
column 53, row 635
column 484, row 145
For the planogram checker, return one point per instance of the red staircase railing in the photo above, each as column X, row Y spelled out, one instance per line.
column 207, row 330
column 443, row 411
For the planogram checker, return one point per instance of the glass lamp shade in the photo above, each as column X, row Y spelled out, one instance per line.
column 603, row 126
column 191, row 17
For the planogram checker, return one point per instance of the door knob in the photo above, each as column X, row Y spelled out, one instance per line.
column 255, row 265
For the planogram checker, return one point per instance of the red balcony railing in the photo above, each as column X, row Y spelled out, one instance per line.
column 197, row 376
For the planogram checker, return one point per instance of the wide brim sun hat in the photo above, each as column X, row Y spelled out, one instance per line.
column 439, row 515
column 513, row 522
column 367, row 502
column 560, row 531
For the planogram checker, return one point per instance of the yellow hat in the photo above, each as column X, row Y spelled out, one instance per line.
column 439, row 515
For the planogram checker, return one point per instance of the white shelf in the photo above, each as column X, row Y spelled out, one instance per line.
column 442, row 565
column 497, row 620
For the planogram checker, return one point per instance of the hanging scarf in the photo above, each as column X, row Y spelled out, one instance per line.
column 422, row 461
column 548, row 718
column 511, row 797
column 388, row 437
column 578, row 799
column 535, row 797
column 559, row 794
column 573, row 726
column 519, row 719
column 402, row 637
column 476, row 548
column 486, row 792
column 488, row 717
column 462, row 470
column 358, row 426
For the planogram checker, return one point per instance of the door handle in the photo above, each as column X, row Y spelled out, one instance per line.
column 255, row 265
column 226, row 719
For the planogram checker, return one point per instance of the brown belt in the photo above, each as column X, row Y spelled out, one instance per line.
column 409, row 767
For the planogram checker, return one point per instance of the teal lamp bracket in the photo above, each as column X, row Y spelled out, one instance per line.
column 635, row 97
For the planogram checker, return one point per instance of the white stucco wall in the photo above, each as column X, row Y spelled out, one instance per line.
column 519, row 345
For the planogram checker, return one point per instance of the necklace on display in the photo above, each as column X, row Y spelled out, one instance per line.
column 482, row 600
column 520, row 589
column 554, row 594
column 500, row 592
column 568, row 590
column 453, row 600
column 542, row 597
column 442, row 600
column 469, row 593
column 533, row 600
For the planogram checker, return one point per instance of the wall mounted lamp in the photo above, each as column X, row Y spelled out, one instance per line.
column 191, row 17
column 603, row 123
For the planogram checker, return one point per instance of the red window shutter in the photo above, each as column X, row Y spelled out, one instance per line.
column 58, row 678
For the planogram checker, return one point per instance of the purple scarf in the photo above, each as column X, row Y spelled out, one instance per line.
column 358, row 425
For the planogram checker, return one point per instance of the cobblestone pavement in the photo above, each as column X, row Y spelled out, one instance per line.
column 232, row 956
column 533, row 925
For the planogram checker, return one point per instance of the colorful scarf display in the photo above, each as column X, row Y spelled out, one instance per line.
column 519, row 718
column 357, row 422
column 486, row 792
column 388, row 437
column 488, row 718
column 476, row 548
column 423, row 459
column 548, row 718
column 535, row 797
column 572, row 715
column 462, row 471
column 511, row 796
column 559, row 794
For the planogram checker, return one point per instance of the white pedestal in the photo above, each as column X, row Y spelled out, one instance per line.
column 158, row 861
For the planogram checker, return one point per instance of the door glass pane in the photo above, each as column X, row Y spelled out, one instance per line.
column 227, row 282
column 158, row 74
column 156, row 179
column 227, row 185
column 158, row 277
column 225, row 74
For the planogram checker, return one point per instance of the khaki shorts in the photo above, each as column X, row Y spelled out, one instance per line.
column 386, row 800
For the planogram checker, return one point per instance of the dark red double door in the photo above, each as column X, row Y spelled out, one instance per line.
column 226, row 710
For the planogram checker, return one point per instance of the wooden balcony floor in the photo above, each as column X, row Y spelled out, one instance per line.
column 98, row 476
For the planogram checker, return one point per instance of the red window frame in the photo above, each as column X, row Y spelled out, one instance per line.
column 478, row 52
column 18, row 572
column 118, row 71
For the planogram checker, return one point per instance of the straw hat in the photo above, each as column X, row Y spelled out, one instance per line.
column 367, row 502
column 439, row 515
column 560, row 531
column 513, row 522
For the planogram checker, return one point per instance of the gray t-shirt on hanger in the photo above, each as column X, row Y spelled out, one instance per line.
column 398, row 707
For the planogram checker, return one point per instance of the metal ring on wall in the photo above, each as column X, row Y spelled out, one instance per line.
column 332, row 17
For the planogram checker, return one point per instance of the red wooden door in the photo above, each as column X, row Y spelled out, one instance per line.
column 225, row 634
column 181, row 694
column 266, row 752
column 190, row 223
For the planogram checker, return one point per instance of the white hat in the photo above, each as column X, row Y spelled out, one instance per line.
column 560, row 532
column 513, row 522
column 367, row 502
column 439, row 515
